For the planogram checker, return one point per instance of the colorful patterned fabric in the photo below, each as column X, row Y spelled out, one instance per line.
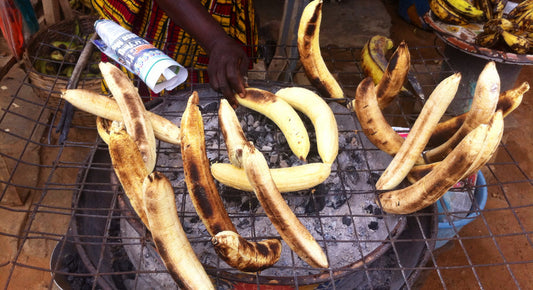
column 146, row 19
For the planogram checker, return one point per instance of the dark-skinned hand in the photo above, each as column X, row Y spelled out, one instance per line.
column 228, row 64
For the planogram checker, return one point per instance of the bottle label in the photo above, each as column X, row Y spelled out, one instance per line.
column 154, row 67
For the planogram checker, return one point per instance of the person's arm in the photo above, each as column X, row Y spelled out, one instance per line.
column 228, row 62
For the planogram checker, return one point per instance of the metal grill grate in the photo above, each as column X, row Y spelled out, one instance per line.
column 76, row 207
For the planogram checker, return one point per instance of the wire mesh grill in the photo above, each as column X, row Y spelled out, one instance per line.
column 76, row 207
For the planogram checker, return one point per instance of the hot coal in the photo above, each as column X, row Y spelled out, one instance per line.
column 317, row 200
column 373, row 225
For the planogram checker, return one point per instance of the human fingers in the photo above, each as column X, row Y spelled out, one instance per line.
column 235, row 76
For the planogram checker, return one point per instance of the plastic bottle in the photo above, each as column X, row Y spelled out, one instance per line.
column 154, row 67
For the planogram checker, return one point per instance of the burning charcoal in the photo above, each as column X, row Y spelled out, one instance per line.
column 317, row 200
column 253, row 136
column 318, row 229
column 209, row 108
column 269, row 139
column 374, row 177
column 250, row 205
column 373, row 225
column 378, row 212
column 349, row 141
column 187, row 229
column 194, row 220
column 330, row 238
column 279, row 138
column 244, row 223
column 336, row 200
column 249, row 121
column 256, row 126
column 283, row 163
column 230, row 195
column 270, row 126
column 274, row 158
column 212, row 156
column 293, row 160
column 346, row 220
column 266, row 148
column 352, row 180
column 351, row 160
column 344, row 160
column 375, row 210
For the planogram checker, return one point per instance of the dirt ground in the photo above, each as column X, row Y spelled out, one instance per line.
column 498, row 260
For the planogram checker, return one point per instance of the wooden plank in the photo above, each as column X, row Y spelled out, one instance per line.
column 51, row 11
column 67, row 10
column 280, row 69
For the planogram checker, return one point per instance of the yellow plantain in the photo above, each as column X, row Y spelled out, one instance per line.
column 488, row 38
column 200, row 184
column 418, row 137
column 244, row 255
column 387, row 75
column 310, row 56
column 394, row 75
column 133, row 112
column 494, row 136
column 418, row 171
column 291, row 230
column 373, row 56
column 168, row 234
column 107, row 108
column 129, row 167
column 465, row 9
column 520, row 9
column 287, row 179
column 282, row 114
column 445, row 13
column 374, row 125
column 103, row 127
column 486, row 7
column 236, row 251
column 232, row 131
column 445, row 130
column 498, row 24
column 320, row 114
column 484, row 104
column 517, row 43
column 507, row 102
column 435, row 184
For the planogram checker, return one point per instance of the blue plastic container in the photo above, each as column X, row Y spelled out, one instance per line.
column 412, row 11
column 445, row 229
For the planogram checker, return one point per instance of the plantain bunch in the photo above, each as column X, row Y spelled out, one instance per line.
column 513, row 31
column 58, row 57
column 461, row 12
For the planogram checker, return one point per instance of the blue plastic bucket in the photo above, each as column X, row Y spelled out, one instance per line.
column 447, row 230
column 412, row 11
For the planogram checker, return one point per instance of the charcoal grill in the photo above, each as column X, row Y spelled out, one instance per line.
column 91, row 249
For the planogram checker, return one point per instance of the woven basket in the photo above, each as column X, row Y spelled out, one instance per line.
column 48, row 87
